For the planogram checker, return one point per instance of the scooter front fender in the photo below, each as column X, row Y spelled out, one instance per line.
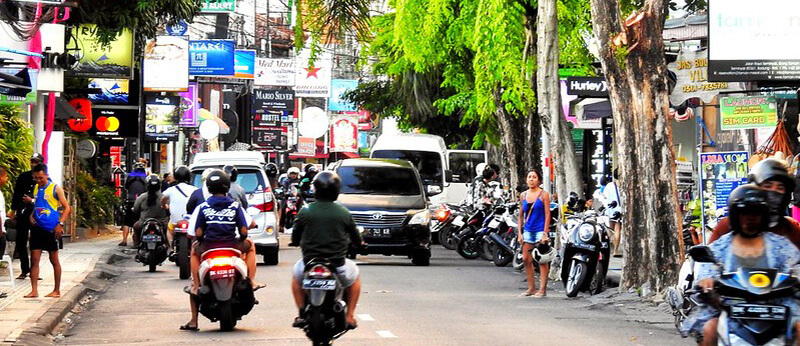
column 581, row 257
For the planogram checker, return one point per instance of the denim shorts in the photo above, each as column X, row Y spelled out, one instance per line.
column 532, row 237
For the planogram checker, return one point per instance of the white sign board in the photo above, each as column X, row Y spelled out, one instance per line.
column 166, row 64
column 313, row 80
column 274, row 72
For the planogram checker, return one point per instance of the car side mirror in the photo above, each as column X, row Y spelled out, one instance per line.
column 434, row 190
column 448, row 176
column 702, row 254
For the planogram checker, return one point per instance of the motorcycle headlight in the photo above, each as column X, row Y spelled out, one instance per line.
column 422, row 217
column 586, row 232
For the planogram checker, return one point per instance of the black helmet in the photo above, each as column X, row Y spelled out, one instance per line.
column 218, row 182
column 748, row 199
column 307, row 167
column 182, row 174
column 572, row 202
column 311, row 172
column 153, row 181
column 271, row 169
column 775, row 170
column 488, row 173
column 231, row 171
column 38, row 158
column 327, row 185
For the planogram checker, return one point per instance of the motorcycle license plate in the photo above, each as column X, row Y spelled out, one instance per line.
column 759, row 312
column 589, row 247
column 222, row 273
column 494, row 223
column 378, row 232
column 459, row 221
column 317, row 284
column 147, row 238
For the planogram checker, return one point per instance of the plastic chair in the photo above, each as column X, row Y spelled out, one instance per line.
column 10, row 268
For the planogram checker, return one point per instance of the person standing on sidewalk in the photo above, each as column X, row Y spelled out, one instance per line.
column 534, row 221
column 47, row 224
column 22, row 206
column 3, row 181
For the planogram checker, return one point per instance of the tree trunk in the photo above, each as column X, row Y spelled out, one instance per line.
column 636, row 72
column 548, row 90
column 519, row 137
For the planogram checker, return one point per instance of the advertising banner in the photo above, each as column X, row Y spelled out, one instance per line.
column 166, row 64
column 691, row 72
column 273, row 99
column 748, row 112
column 244, row 63
column 275, row 72
column 218, row 6
column 344, row 134
column 30, row 97
column 587, row 86
column 212, row 57
column 313, row 80
column 98, row 61
column 270, row 137
column 117, row 122
column 189, row 107
column 115, row 91
column 306, row 146
column 721, row 173
column 162, row 116
column 338, row 88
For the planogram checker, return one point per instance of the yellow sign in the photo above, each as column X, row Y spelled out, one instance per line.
column 97, row 61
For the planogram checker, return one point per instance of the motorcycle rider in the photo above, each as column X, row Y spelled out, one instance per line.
column 292, row 178
column 272, row 174
column 325, row 229
column 748, row 245
column 773, row 176
column 176, row 197
column 305, row 183
column 148, row 206
column 236, row 191
column 219, row 222
column 135, row 185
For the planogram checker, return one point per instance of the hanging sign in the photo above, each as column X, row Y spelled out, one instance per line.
column 211, row 57
column 748, row 112
column 162, row 116
column 721, row 173
column 273, row 99
column 218, row 6
column 313, row 80
column 275, row 72
column 244, row 63
column 691, row 73
column 344, row 134
column 270, row 137
column 166, row 64
column 112, row 61
column 338, row 88
column 189, row 107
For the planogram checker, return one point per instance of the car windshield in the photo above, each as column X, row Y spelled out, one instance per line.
column 250, row 180
column 378, row 181
column 429, row 164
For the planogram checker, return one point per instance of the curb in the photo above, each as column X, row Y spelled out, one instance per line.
column 96, row 281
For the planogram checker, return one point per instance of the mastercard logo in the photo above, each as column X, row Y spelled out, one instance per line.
column 107, row 124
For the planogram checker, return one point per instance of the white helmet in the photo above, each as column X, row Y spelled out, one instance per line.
column 293, row 170
column 544, row 253
column 479, row 168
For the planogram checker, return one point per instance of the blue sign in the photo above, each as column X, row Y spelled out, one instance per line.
column 338, row 88
column 245, row 64
column 178, row 29
column 211, row 57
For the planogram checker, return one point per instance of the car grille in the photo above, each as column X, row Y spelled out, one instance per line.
column 389, row 220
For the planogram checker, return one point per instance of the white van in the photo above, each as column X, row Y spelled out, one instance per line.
column 442, row 170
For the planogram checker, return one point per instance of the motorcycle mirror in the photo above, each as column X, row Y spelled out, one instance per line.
column 613, row 204
column 702, row 254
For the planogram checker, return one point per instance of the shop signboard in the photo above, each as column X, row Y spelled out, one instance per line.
column 344, row 133
column 751, row 42
column 267, row 118
column 721, row 173
column 113, row 91
column 29, row 98
column 691, row 72
column 587, row 86
column 115, row 122
column 274, row 72
column 189, row 106
column 218, row 6
column 212, row 57
column 96, row 60
column 115, row 154
column 748, row 112
column 244, row 63
column 338, row 88
column 306, row 146
column 162, row 116
column 270, row 137
column 313, row 80
column 178, row 28
column 273, row 99
column 166, row 64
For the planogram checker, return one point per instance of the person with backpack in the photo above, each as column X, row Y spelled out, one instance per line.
column 135, row 185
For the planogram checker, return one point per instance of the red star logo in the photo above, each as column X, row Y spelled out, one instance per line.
column 312, row 71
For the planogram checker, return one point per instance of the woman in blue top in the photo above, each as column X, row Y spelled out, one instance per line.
column 534, row 220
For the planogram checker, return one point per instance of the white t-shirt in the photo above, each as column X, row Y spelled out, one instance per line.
column 178, row 198
column 612, row 194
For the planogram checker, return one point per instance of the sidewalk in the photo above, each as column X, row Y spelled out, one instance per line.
column 77, row 259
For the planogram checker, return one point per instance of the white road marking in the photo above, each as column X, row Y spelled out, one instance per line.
column 386, row 334
column 365, row 317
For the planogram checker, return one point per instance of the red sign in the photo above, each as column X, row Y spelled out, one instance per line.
column 306, row 146
column 83, row 107
column 116, row 156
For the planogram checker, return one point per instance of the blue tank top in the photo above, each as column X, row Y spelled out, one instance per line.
column 535, row 221
column 45, row 208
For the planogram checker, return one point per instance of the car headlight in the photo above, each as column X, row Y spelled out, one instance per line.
column 422, row 217
column 586, row 232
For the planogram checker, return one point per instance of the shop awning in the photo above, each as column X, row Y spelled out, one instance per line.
column 592, row 108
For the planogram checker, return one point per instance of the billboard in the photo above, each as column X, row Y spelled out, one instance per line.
column 115, row 122
column 272, row 99
column 212, row 57
column 338, row 88
column 748, row 112
column 274, row 72
column 750, row 41
column 114, row 91
column 313, row 80
column 270, row 137
column 244, row 63
column 166, row 64
column 162, row 116
column 98, row 61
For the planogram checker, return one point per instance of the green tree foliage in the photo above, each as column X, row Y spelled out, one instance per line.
column 16, row 145
column 97, row 202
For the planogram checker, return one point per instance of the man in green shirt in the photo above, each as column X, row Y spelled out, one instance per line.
column 325, row 229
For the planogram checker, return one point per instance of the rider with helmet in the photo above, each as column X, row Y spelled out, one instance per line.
column 748, row 245
column 176, row 197
column 325, row 229
column 236, row 191
column 305, row 183
column 272, row 174
column 772, row 176
column 148, row 206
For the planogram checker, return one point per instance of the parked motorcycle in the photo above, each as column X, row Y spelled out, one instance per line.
column 679, row 297
column 182, row 247
column 450, row 219
column 226, row 293
column 470, row 239
column 586, row 254
column 325, row 310
column 152, row 248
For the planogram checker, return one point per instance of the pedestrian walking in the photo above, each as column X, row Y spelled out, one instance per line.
column 611, row 194
column 22, row 206
column 135, row 185
column 50, row 211
column 534, row 221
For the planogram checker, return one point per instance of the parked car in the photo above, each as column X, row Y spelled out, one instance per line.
column 389, row 205
column 255, row 183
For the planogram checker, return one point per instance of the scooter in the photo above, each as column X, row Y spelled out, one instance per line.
column 586, row 255
column 325, row 309
column 152, row 245
column 226, row 293
column 182, row 248
column 292, row 206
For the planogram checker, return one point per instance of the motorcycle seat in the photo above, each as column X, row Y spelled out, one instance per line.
column 220, row 252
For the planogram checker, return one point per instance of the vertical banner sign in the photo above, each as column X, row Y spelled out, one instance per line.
column 244, row 63
column 166, row 64
column 275, row 72
column 189, row 107
column 211, row 57
column 721, row 173
column 98, row 61
column 306, row 146
column 218, row 6
column 748, row 112
column 338, row 88
column 115, row 154
column 313, row 80
column 162, row 116
column 270, row 137
column 344, row 134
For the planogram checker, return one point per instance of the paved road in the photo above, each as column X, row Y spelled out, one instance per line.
column 452, row 302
